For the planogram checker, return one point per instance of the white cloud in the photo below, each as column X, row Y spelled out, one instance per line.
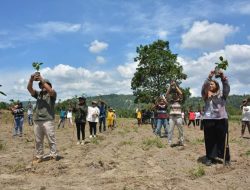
column 206, row 36
column 100, row 60
column 162, row 34
column 238, row 57
column 67, row 81
column 97, row 47
column 48, row 28
column 242, row 7
column 128, row 69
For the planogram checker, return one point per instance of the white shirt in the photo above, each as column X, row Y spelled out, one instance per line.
column 93, row 113
column 197, row 115
column 246, row 113
column 30, row 111
column 69, row 114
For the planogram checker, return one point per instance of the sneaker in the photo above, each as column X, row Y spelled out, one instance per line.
column 94, row 136
column 181, row 143
column 36, row 160
column 82, row 143
column 208, row 162
column 78, row 142
column 54, row 157
column 170, row 144
column 90, row 136
column 227, row 163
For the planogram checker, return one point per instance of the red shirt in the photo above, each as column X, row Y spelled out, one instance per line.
column 191, row 115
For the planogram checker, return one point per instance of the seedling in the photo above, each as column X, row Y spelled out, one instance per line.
column 36, row 66
column 222, row 65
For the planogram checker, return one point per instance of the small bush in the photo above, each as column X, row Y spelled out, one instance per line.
column 197, row 172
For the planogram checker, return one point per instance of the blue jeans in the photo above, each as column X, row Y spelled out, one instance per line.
column 160, row 123
column 102, row 121
column 30, row 119
column 18, row 125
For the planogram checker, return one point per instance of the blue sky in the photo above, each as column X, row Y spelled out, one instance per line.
column 88, row 46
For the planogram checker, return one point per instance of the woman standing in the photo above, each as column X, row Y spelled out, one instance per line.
column 80, row 111
column 18, row 112
column 92, row 118
column 215, row 119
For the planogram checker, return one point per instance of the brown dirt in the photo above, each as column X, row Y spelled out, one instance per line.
column 126, row 158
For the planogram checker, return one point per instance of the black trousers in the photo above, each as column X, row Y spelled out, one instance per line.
column 92, row 128
column 191, row 121
column 215, row 135
column 80, row 128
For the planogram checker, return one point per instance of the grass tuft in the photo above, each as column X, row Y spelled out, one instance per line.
column 124, row 143
column 151, row 142
column 197, row 172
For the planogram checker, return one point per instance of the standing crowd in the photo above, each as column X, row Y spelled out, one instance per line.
column 167, row 113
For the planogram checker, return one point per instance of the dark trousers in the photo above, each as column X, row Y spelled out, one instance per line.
column 80, row 128
column 197, row 122
column 191, row 121
column 102, row 121
column 215, row 131
column 244, row 125
column 92, row 128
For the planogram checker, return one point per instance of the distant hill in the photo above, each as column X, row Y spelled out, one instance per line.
column 125, row 106
column 125, row 103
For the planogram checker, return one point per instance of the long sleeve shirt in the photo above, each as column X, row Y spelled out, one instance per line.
column 215, row 105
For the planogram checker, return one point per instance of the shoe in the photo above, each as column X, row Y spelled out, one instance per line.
column 20, row 135
column 181, row 143
column 208, row 162
column 56, row 158
column 36, row 160
column 170, row 144
column 94, row 136
column 82, row 143
column 78, row 142
column 90, row 136
column 227, row 163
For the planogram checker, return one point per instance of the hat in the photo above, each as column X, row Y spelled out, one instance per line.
column 94, row 102
column 45, row 81
column 245, row 100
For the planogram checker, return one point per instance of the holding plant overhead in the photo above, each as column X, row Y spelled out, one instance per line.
column 36, row 66
column 222, row 65
column 44, row 114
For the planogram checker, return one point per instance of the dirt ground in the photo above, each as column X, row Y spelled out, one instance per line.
column 126, row 158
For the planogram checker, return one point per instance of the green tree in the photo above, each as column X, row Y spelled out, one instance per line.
column 156, row 68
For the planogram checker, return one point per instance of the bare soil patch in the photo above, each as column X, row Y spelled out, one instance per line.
column 126, row 158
